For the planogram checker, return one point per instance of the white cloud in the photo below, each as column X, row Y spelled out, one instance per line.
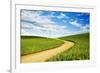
column 82, row 28
column 40, row 25
column 75, row 23
column 61, row 16
column 85, row 28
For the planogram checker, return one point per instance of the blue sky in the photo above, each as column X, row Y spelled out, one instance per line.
column 53, row 24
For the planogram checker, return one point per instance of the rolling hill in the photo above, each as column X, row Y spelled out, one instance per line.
column 33, row 44
column 80, row 51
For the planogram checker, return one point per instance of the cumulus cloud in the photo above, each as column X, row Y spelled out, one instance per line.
column 75, row 23
column 34, row 23
column 82, row 28
column 41, row 23
column 85, row 28
column 61, row 16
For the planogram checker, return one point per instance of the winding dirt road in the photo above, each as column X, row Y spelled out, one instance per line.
column 45, row 55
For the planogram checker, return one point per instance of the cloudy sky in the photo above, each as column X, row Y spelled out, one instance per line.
column 53, row 24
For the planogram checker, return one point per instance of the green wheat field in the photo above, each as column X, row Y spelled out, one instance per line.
column 80, row 51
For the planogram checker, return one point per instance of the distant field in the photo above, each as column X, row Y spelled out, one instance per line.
column 31, row 44
column 80, row 51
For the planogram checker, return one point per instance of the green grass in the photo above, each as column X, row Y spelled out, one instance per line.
column 80, row 51
column 32, row 44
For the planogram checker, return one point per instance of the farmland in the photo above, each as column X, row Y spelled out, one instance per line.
column 80, row 51
column 33, row 44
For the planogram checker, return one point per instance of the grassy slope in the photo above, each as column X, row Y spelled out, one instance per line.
column 32, row 44
column 80, row 51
